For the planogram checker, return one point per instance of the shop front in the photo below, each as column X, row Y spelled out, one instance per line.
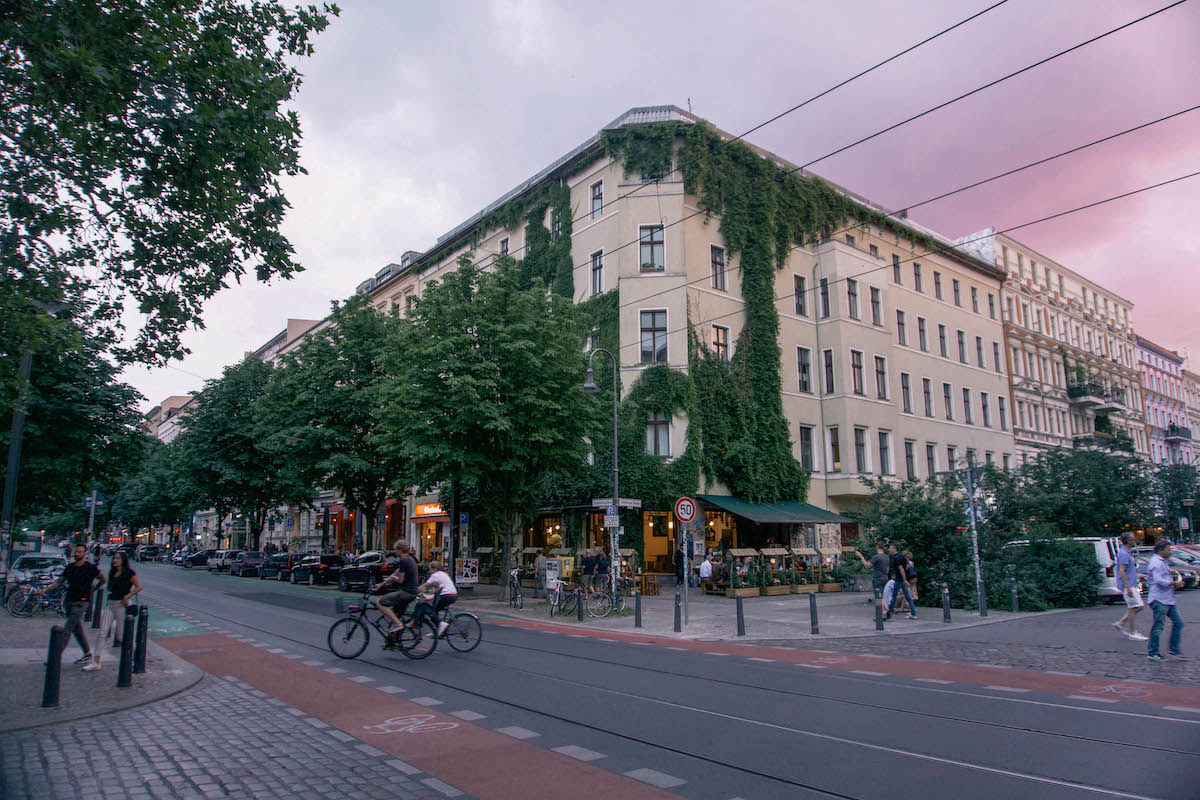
column 430, row 525
column 734, row 523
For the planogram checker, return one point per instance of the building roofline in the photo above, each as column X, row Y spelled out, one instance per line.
column 1045, row 259
column 1162, row 351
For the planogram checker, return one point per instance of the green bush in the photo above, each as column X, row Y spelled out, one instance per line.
column 1050, row 573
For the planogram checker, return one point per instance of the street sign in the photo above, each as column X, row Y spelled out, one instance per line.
column 685, row 509
column 379, row 519
column 611, row 518
column 623, row 502
column 1184, row 524
column 463, row 518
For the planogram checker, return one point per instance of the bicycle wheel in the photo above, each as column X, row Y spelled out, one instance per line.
column 519, row 601
column 418, row 642
column 464, row 632
column 598, row 604
column 568, row 605
column 555, row 603
column 348, row 637
column 21, row 603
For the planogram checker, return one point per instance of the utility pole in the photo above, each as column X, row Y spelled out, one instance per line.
column 968, row 477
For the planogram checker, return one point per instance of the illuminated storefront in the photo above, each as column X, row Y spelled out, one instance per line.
column 430, row 523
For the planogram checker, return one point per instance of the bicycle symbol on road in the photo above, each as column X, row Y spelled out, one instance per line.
column 1119, row 689
column 413, row 723
column 832, row 660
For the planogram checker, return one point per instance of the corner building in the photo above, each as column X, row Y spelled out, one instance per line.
column 1167, row 426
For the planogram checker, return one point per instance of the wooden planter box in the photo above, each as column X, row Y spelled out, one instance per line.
column 831, row 587
column 774, row 590
column 492, row 581
column 804, row 588
column 527, row 583
column 745, row 591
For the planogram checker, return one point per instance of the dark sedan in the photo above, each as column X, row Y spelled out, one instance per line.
column 246, row 563
column 197, row 559
column 279, row 566
column 367, row 570
column 317, row 569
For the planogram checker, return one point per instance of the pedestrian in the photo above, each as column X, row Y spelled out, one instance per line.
column 680, row 558
column 899, row 573
column 706, row 568
column 79, row 577
column 587, row 579
column 539, row 572
column 123, row 586
column 910, row 576
column 1162, row 603
column 878, row 565
column 1127, row 582
column 601, row 569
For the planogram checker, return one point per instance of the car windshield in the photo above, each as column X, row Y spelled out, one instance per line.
column 311, row 560
column 254, row 554
column 37, row 562
column 366, row 558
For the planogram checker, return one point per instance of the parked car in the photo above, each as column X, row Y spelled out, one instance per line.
column 279, row 566
column 317, row 569
column 1179, row 563
column 366, row 570
column 1142, row 557
column 128, row 548
column 222, row 559
column 24, row 566
column 246, row 563
column 148, row 552
column 197, row 559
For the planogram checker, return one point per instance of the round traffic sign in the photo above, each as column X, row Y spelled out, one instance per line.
column 685, row 509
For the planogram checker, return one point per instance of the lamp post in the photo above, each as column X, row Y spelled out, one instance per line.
column 589, row 387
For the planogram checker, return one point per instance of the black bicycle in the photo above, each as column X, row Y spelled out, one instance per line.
column 349, row 636
column 515, row 598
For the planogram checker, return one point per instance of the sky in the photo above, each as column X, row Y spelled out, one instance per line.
column 417, row 115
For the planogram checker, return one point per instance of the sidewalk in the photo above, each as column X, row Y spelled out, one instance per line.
column 82, row 694
column 842, row 615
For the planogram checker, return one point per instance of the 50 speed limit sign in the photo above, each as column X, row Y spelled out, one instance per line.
column 685, row 509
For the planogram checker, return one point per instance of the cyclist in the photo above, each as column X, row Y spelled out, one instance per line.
column 394, row 604
column 440, row 586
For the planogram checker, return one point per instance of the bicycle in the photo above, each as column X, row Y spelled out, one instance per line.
column 602, row 602
column 463, row 630
column 562, row 602
column 350, row 635
column 26, row 598
column 515, row 598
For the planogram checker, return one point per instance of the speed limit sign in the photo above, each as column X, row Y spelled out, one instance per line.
column 685, row 509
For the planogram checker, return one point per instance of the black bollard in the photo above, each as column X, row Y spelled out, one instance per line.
column 637, row 609
column 97, row 609
column 678, row 613
column 812, row 612
column 945, row 602
column 578, row 604
column 878, row 610
column 125, row 670
column 142, row 641
column 741, row 618
column 1016, row 605
column 58, row 643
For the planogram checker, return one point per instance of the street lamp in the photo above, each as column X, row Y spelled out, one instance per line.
column 589, row 387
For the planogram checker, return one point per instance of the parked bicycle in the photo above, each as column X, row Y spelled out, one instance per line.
column 603, row 602
column 562, row 600
column 515, row 598
column 27, row 597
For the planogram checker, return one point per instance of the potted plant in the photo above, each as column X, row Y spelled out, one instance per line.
column 743, row 585
column 776, row 576
column 834, row 584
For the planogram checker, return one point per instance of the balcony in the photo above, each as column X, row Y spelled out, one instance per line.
column 1178, row 433
column 1086, row 395
column 1113, row 401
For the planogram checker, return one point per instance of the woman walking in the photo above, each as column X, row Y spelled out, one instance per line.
column 123, row 585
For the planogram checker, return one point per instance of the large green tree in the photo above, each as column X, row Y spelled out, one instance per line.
column 1082, row 492
column 141, row 145
column 323, row 406
column 158, row 492
column 1174, row 483
column 486, row 391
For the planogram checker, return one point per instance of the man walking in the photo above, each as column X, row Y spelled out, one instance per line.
column 878, row 564
column 899, row 573
column 79, row 577
column 1162, row 603
column 539, row 571
column 680, row 560
column 1127, row 582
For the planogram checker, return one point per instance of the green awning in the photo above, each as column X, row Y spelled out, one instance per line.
column 782, row 512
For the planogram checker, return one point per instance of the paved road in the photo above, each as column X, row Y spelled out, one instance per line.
column 544, row 711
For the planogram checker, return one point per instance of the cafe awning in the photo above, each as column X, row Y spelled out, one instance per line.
column 560, row 551
column 781, row 512
column 485, row 550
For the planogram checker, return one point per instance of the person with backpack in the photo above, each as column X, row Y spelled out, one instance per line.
column 587, row 580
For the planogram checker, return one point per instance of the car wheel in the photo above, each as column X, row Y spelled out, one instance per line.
column 312, row 579
column 343, row 583
column 292, row 578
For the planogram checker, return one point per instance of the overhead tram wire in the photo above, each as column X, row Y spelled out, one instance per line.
column 960, row 189
column 783, row 114
column 946, row 249
column 782, row 173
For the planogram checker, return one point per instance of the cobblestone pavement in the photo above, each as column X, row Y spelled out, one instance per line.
column 221, row 740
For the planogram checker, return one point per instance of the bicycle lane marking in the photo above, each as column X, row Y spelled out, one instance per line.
column 1157, row 694
column 476, row 760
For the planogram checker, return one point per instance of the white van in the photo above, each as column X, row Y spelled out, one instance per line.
column 1106, row 560
column 221, row 560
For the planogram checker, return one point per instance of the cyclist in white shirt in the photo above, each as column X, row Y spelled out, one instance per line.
column 439, row 583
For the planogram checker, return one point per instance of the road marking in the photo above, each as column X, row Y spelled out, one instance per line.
column 426, row 701
column 371, row 751
column 578, row 753
column 469, row 716
column 655, row 778
column 639, row 644
column 407, row 769
column 361, row 679
column 932, row 680
column 518, row 732
column 577, row 636
column 341, row 736
column 314, row 663
column 391, row 689
column 1093, row 699
column 334, row 670
column 680, row 649
column 294, row 656
column 766, row 660
column 1182, row 708
column 994, row 666
column 1008, row 689
column 260, row 644
column 610, row 641
column 868, row 672
column 441, row 786
column 813, row 666
column 1070, row 674
column 276, row 650
column 714, row 653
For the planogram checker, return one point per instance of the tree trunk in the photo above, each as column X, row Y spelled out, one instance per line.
column 509, row 541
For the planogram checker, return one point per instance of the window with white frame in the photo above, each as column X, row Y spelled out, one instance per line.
column 598, row 272
column 881, row 387
column 885, row 453
column 804, row 369
column 906, row 392
column 720, row 342
column 504, row 246
column 654, row 337
column 658, row 434
column 806, row 448
column 799, row 285
column 716, row 261
column 852, row 298
column 901, row 330
column 597, row 199
column 860, row 451
column 876, row 307
column 856, row 372
column 651, row 248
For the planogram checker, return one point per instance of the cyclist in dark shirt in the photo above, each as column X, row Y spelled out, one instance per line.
column 79, row 576
column 394, row 604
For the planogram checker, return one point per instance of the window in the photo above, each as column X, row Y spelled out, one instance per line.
column 597, row 199
column 654, row 337
column 1002, row 411
column 948, row 401
column 910, row 465
column 906, row 392
column 957, row 292
column 927, row 388
column 962, row 347
column 881, row 378
column 970, row 457
column 917, row 277
column 598, row 272
column 996, row 355
column 804, row 369
column 974, row 299
column 937, row 284
column 968, row 416
column 873, row 250
column 824, row 298
column 989, row 458
column 720, row 342
column 653, row 255
column 806, row 453
column 901, row 331
column 852, row 298
column 798, row 289
column 979, row 358
column 922, row 335
column 658, row 439
column 860, row 450
column 850, row 240
column 885, row 453
column 987, row 412
column 897, row 277
column 931, row 459
column 876, row 307
column 717, row 260
column 856, row 371
column 555, row 225
column 991, row 305
column 951, row 456
column 942, row 341
column 504, row 246
column 409, row 302
column 1007, row 458
column 828, row 372
column 835, row 450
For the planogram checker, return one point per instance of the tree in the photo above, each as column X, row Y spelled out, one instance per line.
column 157, row 492
column 323, row 406
column 1084, row 492
column 1174, row 483
column 222, row 450
column 487, row 391
column 141, row 145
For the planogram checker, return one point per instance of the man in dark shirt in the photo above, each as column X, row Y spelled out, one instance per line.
column 406, row 576
column 79, row 577
column 879, row 565
column 899, row 573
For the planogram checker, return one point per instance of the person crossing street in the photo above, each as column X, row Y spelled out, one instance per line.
column 1162, row 603
column 1127, row 582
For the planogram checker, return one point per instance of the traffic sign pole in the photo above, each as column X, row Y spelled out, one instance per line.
column 685, row 510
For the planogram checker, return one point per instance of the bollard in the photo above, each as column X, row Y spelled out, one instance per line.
column 945, row 602
column 1016, row 605
column 678, row 614
column 637, row 609
column 125, row 670
column 578, row 604
column 878, row 610
column 812, row 612
column 142, row 641
column 58, row 643
column 97, row 609
column 741, row 618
